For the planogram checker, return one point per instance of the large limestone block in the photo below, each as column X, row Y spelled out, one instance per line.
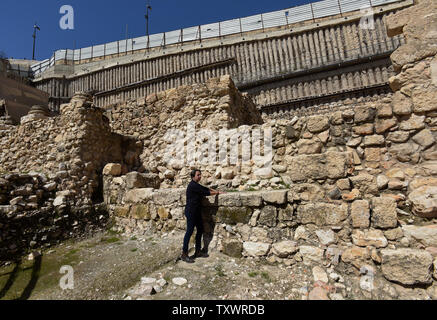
column 424, row 201
column 142, row 180
column 231, row 199
column 232, row 247
column 317, row 123
column 233, row 215
column 407, row 266
column 140, row 212
column 251, row 199
column 256, row 249
column 309, row 146
column 426, row 235
column 284, row 248
column 168, row 196
column 332, row 165
column 311, row 254
column 424, row 101
column 360, row 214
column 268, row 216
column 424, row 138
column 322, row 214
column 276, row 196
column 356, row 256
column 384, row 213
column 372, row 237
column 138, row 195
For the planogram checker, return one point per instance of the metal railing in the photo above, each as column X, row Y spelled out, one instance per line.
column 262, row 21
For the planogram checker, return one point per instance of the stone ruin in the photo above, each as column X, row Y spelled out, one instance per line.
column 353, row 188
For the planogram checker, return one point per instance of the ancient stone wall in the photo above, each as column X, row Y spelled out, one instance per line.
column 71, row 148
column 356, row 187
column 32, row 216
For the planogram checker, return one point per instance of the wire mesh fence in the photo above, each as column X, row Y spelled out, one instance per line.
column 279, row 18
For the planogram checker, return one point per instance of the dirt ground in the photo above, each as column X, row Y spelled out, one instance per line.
column 111, row 266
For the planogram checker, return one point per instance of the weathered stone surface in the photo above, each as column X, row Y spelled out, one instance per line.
column 233, row 215
column 284, row 248
column 232, row 247
column 286, row 214
column 332, row 165
column 317, row 123
column 322, row 214
column 121, row 211
column 138, row 195
column 415, row 122
column 422, row 181
column 381, row 181
column 426, row 235
column 402, row 104
column 393, row 234
column 356, row 256
column 360, row 214
column 398, row 136
column 407, row 266
column 364, row 129
column 372, row 237
column 268, row 216
column 112, row 169
column 343, row 184
column 372, row 154
column 424, row 201
column 305, row 192
column 251, row 199
column 275, row 197
column 404, row 152
column 163, row 213
column 142, row 180
column 424, row 101
column 231, row 199
column 319, row 274
column 364, row 114
column 311, row 254
column 382, row 125
column 374, row 140
column 168, row 196
column 318, row 293
column 424, row 138
column 365, row 182
column 384, row 110
column 256, row 249
column 384, row 213
column 326, row 237
column 140, row 212
column 309, row 146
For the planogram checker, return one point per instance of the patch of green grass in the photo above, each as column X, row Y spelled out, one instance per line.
column 219, row 270
column 251, row 189
column 73, row 251
column 252, row 274
column 110, row 240
column 266, row 276
column 113, row 232
column 232, row 190
column 133, row 238
column 134, row 249
column 236, row 273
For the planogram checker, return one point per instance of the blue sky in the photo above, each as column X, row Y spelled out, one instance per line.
column 99, row 21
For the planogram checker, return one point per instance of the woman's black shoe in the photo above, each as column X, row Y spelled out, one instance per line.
column 186, row 258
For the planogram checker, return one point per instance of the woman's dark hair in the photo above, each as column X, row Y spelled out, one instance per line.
column 193, row 173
